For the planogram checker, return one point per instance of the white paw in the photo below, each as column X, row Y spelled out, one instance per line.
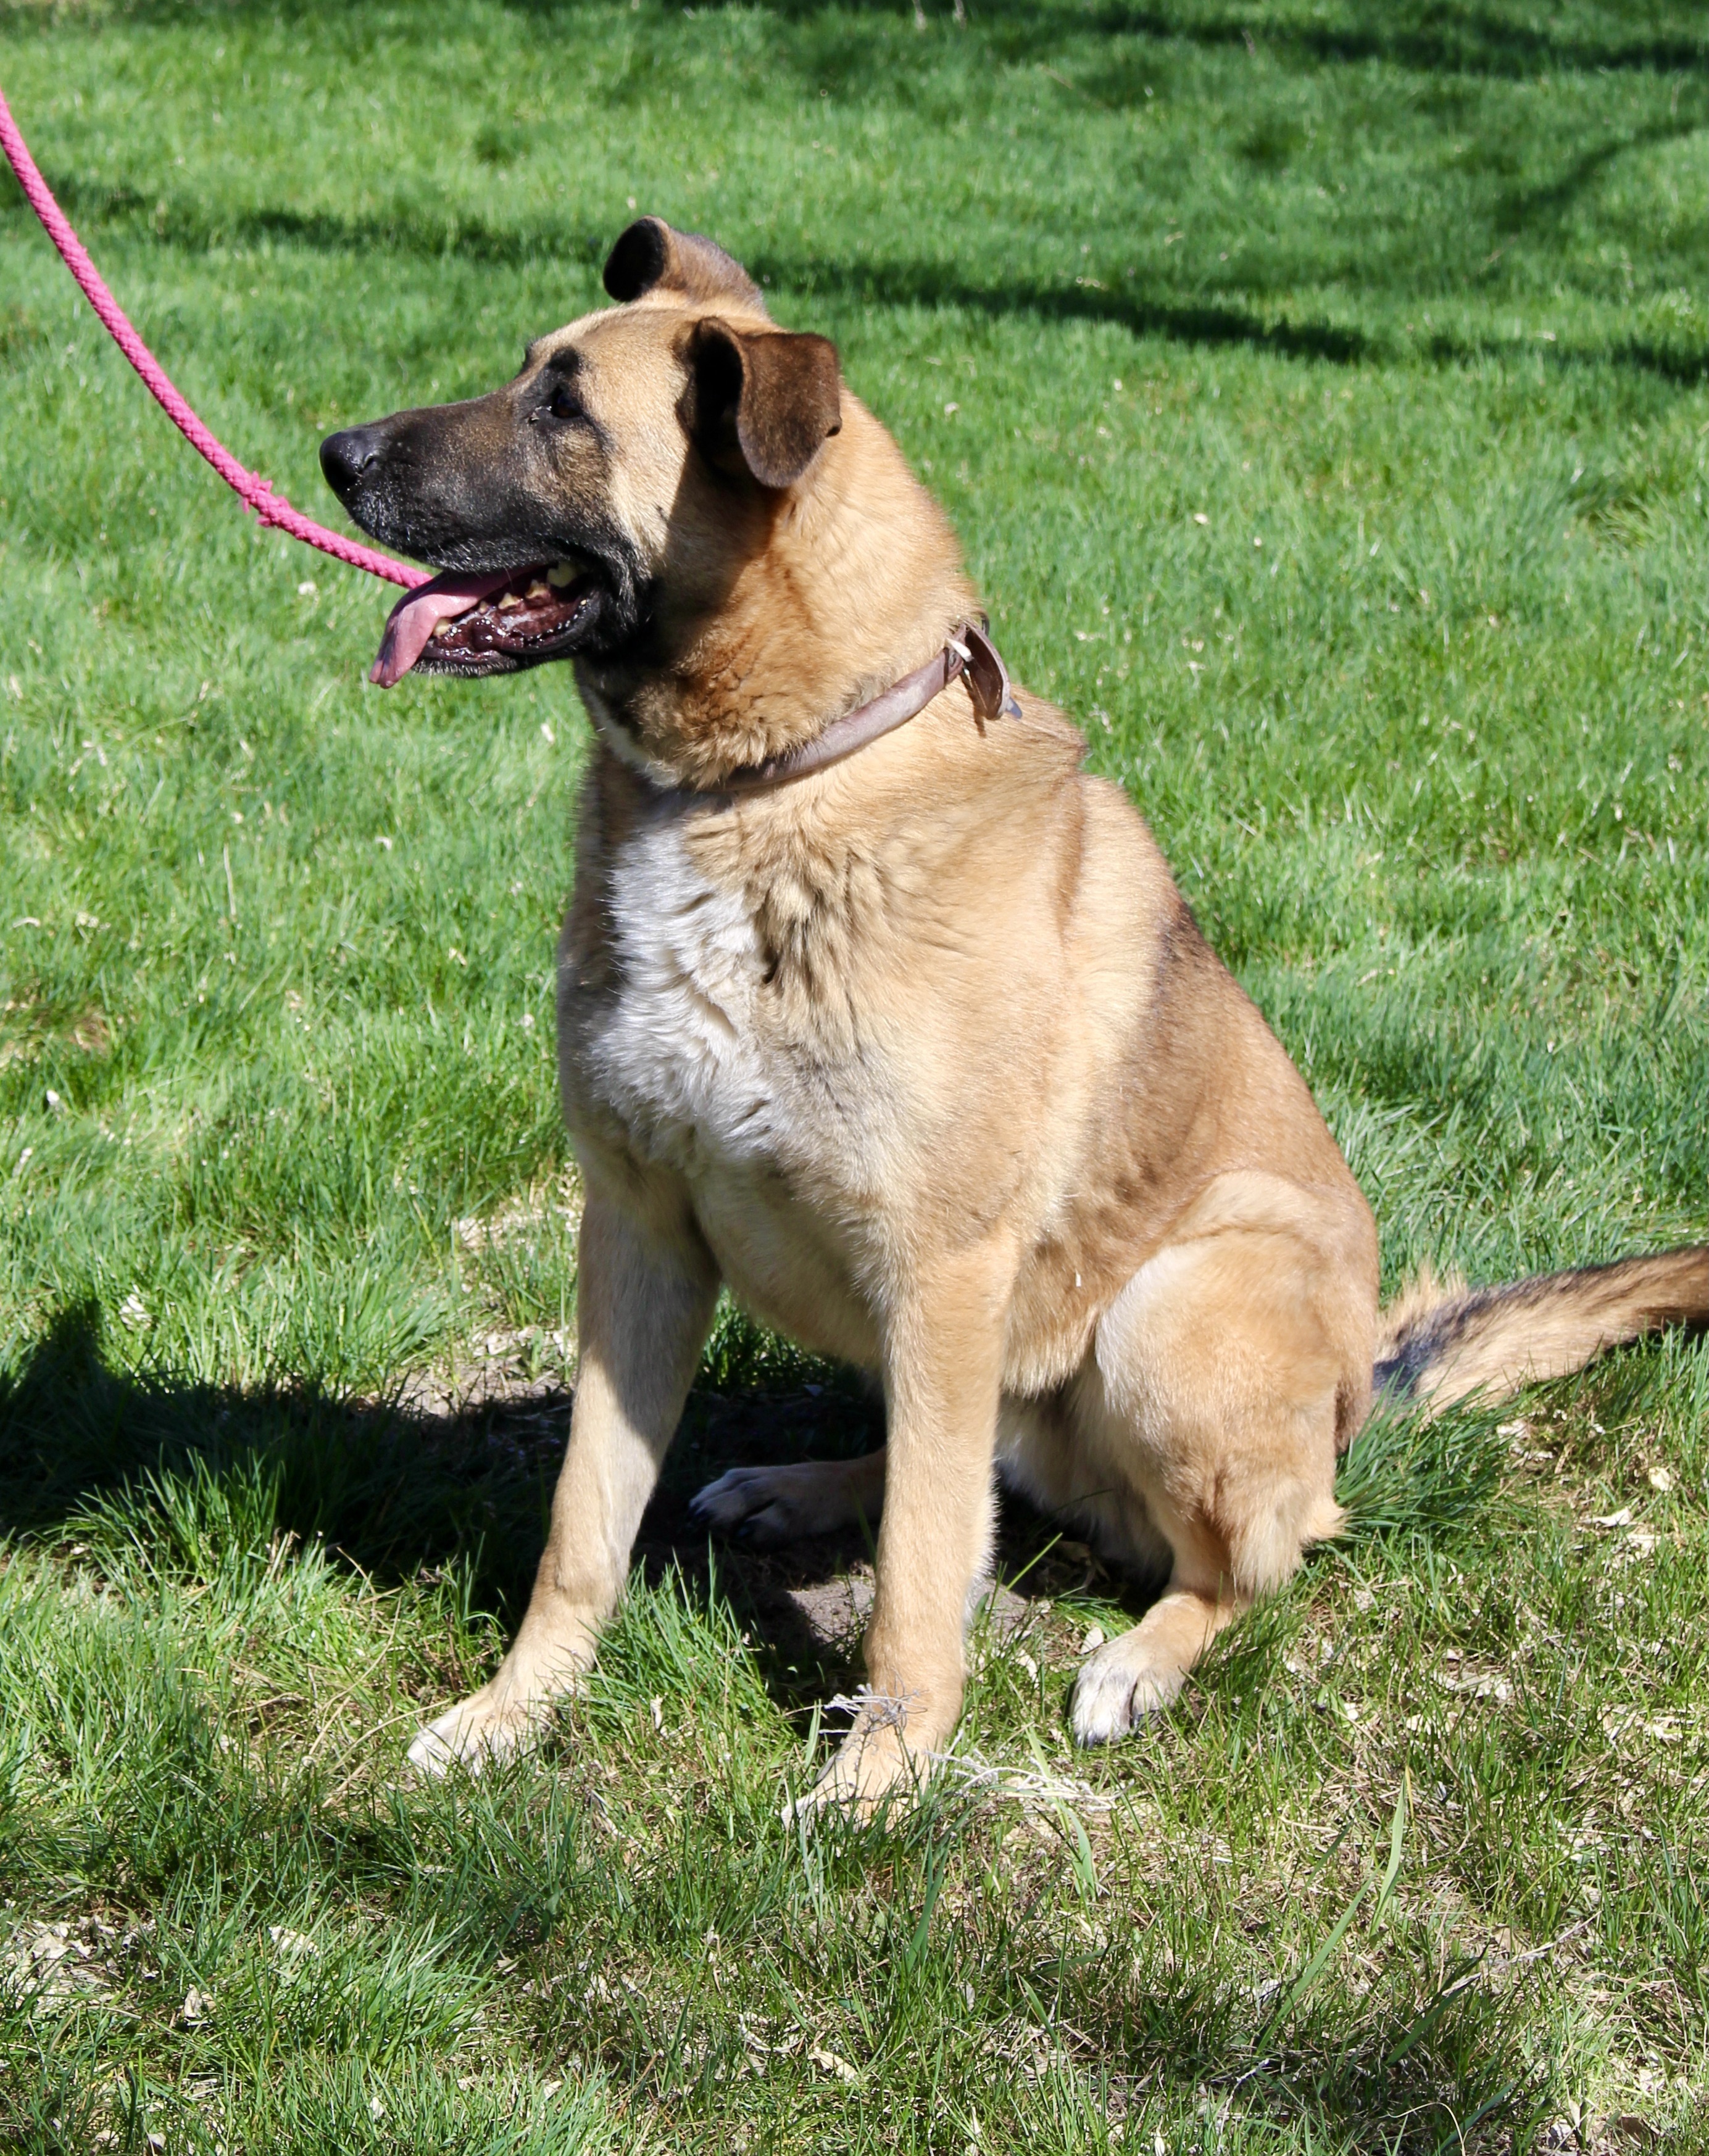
column 470, row 1735
column 1118, row 1688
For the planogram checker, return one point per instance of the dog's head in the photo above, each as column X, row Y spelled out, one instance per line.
column 599, row 503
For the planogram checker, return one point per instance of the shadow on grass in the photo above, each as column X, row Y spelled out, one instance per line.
column 404, row 1485
column 1445, row 37
column 1436, row 37
column 1198, row 321
column 400, row 1485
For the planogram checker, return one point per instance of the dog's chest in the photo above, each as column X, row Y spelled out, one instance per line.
column 678, row 1048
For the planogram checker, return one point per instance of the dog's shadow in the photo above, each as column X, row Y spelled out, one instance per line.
column 426, row 1480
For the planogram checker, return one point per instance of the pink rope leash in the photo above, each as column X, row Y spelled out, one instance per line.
column 272, row 509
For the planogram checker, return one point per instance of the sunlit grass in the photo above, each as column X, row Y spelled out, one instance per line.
column 1322, row 394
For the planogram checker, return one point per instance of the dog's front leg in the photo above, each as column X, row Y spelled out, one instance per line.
column 643, row 1306
column 943, row 1376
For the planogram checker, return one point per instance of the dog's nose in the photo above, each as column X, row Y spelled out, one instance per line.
column 346, row 458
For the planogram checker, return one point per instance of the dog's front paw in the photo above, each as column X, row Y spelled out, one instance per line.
column 1122, row 1683
column 477, row 1731
column 871, row 1767
column 885, row 1760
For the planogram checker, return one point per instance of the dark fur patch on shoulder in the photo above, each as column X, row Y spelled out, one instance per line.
column 1180, row 949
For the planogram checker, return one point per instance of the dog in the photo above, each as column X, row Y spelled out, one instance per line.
column 897, row 1028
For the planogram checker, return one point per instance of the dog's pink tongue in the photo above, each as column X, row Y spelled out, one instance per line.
column 410, row 623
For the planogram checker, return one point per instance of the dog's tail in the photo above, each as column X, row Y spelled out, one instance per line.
column 1440, row 1342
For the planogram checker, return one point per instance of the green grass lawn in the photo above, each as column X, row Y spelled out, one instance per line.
column 1322, row 390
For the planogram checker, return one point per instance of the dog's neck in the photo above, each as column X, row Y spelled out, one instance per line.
column 849, row 580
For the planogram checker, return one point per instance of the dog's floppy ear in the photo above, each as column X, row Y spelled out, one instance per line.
column 650, row 257
column 766, row 399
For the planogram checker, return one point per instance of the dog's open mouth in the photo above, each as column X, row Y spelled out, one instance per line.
column 485, row 624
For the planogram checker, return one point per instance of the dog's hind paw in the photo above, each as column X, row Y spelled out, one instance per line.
column 1118, row 1687
column 768, row 1506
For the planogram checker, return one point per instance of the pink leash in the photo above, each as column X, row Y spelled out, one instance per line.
column 271, row 508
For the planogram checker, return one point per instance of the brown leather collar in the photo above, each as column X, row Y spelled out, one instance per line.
column 969, row 655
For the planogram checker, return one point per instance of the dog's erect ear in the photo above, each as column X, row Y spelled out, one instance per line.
column 767, row 399
column 650, row 257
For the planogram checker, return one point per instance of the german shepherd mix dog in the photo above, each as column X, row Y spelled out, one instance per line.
column 900, row 1030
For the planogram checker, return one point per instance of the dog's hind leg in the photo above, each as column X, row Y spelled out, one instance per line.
column 768, row 1507
column 643, row 1307
column 1221, row 1377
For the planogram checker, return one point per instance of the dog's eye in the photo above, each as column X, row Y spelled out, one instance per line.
column 563, row 404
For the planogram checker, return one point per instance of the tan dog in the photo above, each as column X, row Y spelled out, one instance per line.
column 920, row 1053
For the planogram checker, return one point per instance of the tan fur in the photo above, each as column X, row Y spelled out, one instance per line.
column 1455, row 1343
column 1426, row 1290
column 924, row 1057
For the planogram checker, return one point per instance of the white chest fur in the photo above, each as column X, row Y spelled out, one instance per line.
column 678, row 1052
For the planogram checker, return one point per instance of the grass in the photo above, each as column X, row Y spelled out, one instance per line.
column 1322, row 393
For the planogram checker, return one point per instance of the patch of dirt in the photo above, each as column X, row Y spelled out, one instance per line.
column 60, row 1965
column 805, row 1606
column 834, row 1611
column 528, row 1370
column 47, row 1962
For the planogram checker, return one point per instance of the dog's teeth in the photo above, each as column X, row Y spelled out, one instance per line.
column 560, row 574
column 443, row 627
column 509, row 602
column 537, row 590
